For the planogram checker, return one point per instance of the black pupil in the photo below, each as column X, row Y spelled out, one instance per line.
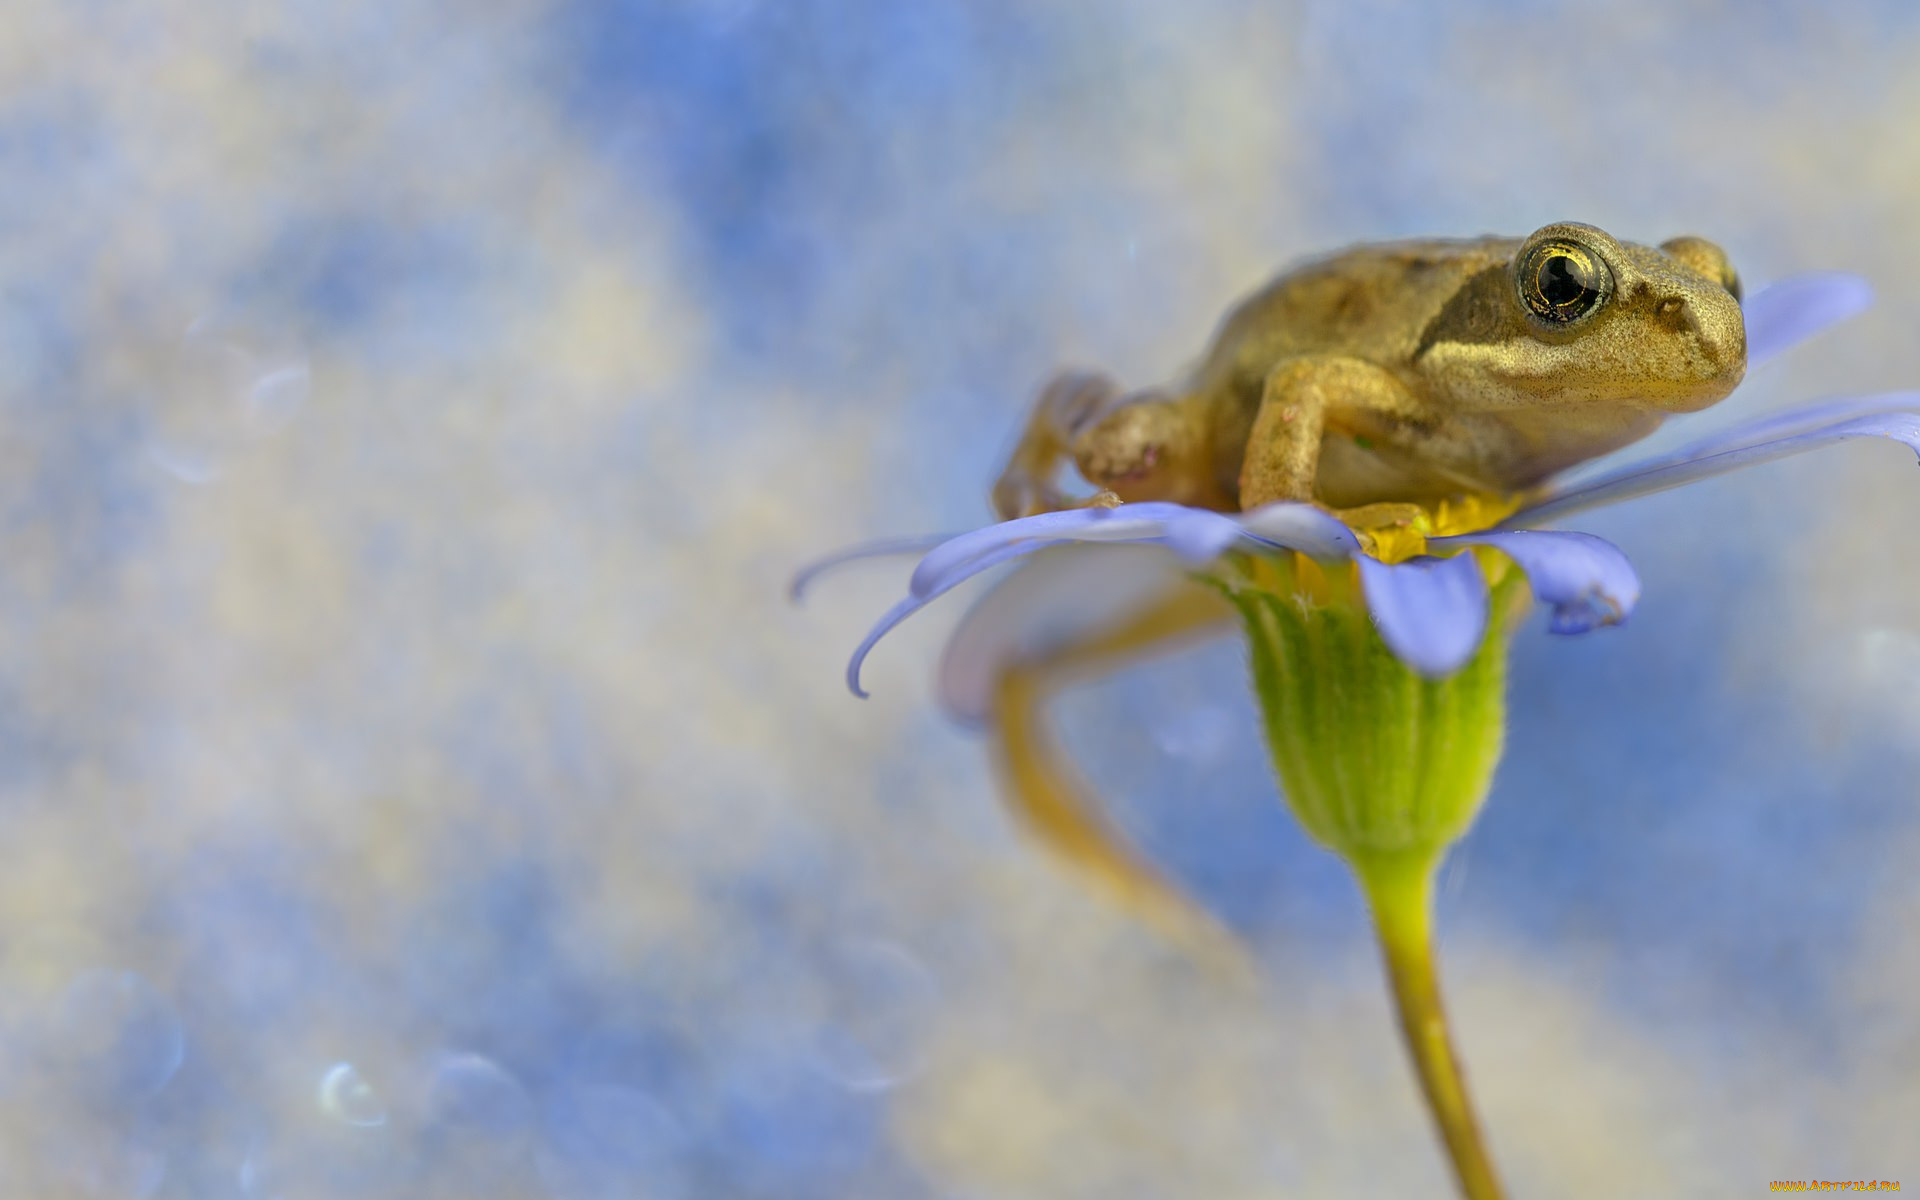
column 1565, row 281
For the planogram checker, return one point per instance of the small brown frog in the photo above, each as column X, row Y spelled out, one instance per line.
column 1409, row 371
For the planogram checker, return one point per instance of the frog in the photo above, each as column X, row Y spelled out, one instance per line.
column 1410, row 371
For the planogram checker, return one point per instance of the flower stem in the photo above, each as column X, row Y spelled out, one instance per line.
column 1399, row 889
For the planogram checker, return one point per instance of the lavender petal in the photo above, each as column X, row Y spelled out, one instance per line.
column 1200, row 535
column 1789, row 312
column 1586, row 580
column 913, row 603
column 1431, row 612
column 1804, row 419
column 1129, row 522
column 1642, row 480
column 880, row 548
column 1302, row 527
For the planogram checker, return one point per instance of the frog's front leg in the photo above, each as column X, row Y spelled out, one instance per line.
column 1302, row 399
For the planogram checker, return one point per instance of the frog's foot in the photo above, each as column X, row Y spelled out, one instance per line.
column 1021, row 497
column 1019, row 493
column 1145, row 450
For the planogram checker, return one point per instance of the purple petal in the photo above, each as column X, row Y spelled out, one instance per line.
column 1129, row 522
column 1431, row 612
column 881, row 548
column 1804, row 419
column 1794, row 309
column 1642, row 480
column 914, row 603
column 955, row 552
column 1301, row 527
column 1587, row 580
column 1200, row 535
column 1056, row 599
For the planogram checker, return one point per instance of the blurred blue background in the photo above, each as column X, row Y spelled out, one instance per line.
column 414, row 784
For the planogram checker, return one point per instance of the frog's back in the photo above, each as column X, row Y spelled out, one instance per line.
column 1369, row 302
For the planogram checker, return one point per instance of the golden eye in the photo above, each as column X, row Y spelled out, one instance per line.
column 1563, row 281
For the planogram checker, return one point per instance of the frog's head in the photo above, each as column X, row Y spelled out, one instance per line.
column 1576, row 318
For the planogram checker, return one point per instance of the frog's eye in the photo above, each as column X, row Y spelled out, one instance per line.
column 1563, row 281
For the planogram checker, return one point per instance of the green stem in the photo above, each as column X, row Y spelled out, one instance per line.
column 1400, row 891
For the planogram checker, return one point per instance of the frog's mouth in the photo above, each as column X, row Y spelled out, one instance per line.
column 1694, row 366
column 1674, row 381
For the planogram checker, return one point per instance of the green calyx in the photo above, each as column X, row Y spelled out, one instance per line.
column 1380, row 764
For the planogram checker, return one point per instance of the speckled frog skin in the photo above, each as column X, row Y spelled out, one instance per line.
column 1409, row 371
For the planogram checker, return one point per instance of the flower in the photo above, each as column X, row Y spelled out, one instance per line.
column 1428, row 600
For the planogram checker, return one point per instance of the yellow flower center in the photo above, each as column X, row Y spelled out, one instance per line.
column 1396, row 532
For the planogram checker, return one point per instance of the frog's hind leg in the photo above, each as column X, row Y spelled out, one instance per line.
column 1132, row 446
column 1151, row 446
column 1069, row 403
column 1046, row 793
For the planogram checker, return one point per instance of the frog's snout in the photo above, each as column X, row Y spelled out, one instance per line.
column 1711, row 326
column 1721, row 330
